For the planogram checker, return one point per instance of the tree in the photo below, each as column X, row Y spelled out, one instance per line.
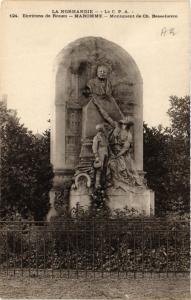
column 156, row 164
column 179, row 113
column 179, row 132
column 166, row 158
column 26, row 172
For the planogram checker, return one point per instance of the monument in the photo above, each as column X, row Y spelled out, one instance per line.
column 97, row 128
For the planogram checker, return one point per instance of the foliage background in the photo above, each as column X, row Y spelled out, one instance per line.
column 26, row 173
column 166, row 159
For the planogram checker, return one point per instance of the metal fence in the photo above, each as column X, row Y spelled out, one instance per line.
column 92, row 247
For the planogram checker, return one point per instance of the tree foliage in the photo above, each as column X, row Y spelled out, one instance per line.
column 25, row 169
column 180, row 116
column 166, row 158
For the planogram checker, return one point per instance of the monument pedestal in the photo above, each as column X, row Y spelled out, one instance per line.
column 59, row 194
column 52, row 213
column 139, row 198
column 81, row 198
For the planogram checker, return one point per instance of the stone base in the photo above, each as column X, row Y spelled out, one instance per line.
column 81, row 198
column 52, row 213
column 139, row 198
column 69, row 196
column 59, row 203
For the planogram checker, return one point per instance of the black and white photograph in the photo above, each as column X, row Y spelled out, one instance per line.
column 94, row 150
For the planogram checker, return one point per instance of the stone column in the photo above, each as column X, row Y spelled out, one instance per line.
column 62, row 174
column 58, row 151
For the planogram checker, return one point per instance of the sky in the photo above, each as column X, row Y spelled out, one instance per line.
column 30, row 46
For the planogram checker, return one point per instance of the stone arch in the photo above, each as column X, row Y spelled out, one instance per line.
column 74, row 66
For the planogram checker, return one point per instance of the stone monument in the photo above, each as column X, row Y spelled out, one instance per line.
column 97, row 128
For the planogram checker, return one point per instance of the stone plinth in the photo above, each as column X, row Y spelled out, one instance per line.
column 141, row 199
column 52, row 211
column 81, row 198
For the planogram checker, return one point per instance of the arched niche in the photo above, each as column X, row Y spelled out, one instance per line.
column 74, row 66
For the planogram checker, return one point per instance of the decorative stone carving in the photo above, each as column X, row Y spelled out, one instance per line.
column 73, row 134
column 80, row 191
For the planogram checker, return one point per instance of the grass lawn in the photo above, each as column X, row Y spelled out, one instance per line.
column 171, row 288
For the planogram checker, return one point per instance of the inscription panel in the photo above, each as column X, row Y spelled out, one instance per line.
column 73, row 136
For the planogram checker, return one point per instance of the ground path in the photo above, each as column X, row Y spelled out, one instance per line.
column 147, row 288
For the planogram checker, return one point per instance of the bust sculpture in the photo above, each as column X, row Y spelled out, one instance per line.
column 100, row 85
column 99, row 89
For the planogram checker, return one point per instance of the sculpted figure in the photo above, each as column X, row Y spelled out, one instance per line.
column 100, row 85
column 100, row 151
column 100, row 89
column 121, row 163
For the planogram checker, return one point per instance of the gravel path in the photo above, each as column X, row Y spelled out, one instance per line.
column 172, row 288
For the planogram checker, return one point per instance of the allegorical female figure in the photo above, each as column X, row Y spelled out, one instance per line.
column 120, row 140
column 121, row 162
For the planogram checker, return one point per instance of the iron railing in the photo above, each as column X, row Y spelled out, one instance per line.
column 94, row 247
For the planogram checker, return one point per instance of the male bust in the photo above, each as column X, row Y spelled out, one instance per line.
column 100, row 85
column 99, row 90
